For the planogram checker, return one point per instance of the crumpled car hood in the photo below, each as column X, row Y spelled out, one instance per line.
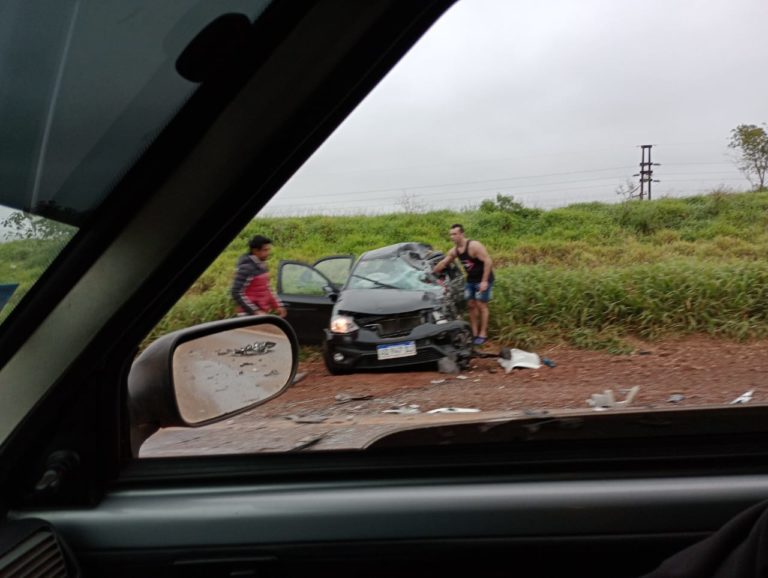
column 385, row 301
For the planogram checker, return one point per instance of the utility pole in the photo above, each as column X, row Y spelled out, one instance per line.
column 646, row 172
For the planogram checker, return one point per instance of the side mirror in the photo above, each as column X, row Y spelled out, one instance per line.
column 209, row 372
column 332, row 292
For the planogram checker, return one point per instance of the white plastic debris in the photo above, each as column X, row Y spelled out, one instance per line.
column 744, row 397
column 405, row 410
column 607, row 400
column 454, row 410
column 461, row 377
column 519, row 358
column 437, row 381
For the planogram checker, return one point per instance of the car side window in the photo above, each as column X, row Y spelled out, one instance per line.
column 298, row 279
column 335, row 268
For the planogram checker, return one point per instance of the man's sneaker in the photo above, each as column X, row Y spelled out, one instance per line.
column 479, row 340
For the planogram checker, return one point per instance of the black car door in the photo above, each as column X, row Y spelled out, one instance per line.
column 308, row 293
column 308, row 297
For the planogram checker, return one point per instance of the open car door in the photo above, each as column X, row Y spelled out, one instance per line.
column 308, row 295
column 336, row 268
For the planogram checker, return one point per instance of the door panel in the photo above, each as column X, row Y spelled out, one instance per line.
column 597, row 528
column 306, row 295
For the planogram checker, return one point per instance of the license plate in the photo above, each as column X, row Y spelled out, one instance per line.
column 406, row 349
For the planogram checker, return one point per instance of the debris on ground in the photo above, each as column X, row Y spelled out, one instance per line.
column 307, row 442
column 535, row 412
column 346, row 398
column 298, row 377
column 454, row 410
column 307, row 418
column 745, row 397
column 437, row 381
column 447, row 365
column 606, row 400
column 511, row 358
column 404, row 410
column 676, row 398
column 548, row 362
column 461, row 377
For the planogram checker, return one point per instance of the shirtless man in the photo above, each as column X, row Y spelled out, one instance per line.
column 478, row 268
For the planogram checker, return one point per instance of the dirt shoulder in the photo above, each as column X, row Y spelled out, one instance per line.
column 322, row 411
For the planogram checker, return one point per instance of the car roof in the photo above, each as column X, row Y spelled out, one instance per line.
column 417, row 250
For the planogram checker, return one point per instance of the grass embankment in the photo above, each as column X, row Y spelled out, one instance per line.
column 589, row 274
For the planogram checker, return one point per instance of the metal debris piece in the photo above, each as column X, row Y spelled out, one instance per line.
column 676, row 398
column 307, row 418
column 256, row 348
column 606, row 400
column 307, row 442
column 454, row 410
column 745, row 397
column 346, row 397
column 447, row 365
column 405, row 410
column 461, row 377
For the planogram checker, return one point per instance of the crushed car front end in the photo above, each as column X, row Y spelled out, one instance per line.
column 394, row 313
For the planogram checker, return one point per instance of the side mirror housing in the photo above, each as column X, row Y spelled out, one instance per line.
column 209, row 372
column 332, row 292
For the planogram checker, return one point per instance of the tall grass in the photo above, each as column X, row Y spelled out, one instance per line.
column 590, row 274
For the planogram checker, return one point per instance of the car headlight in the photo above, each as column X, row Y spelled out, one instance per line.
column 343, row 324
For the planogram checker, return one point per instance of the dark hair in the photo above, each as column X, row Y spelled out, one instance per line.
column 258, row 242
column 457, row 226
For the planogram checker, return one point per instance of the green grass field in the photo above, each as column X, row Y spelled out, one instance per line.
column 590, row 275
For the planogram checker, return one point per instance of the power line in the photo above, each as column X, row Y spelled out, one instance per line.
column 476, row 182
column 452, row 199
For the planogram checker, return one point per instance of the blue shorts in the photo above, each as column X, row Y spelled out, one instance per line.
column 472, row 292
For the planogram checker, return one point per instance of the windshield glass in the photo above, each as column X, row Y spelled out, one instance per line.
column 391, row 272
column 70, row 125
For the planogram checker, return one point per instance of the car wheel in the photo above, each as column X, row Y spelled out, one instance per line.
column 332, row 367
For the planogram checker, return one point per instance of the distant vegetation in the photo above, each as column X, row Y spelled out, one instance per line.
column 593, row 275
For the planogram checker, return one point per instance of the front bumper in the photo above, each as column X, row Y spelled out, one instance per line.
column 358, row 350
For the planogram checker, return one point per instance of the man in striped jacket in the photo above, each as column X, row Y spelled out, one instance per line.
column 250, row 288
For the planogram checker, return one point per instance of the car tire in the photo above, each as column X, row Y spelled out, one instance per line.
column 332, row 367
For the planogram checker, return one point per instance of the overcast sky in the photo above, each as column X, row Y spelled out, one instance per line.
column 548, row 100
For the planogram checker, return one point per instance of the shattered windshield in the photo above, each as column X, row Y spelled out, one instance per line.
column 391, row 272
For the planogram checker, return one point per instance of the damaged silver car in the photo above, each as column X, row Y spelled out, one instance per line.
column 387, row 311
